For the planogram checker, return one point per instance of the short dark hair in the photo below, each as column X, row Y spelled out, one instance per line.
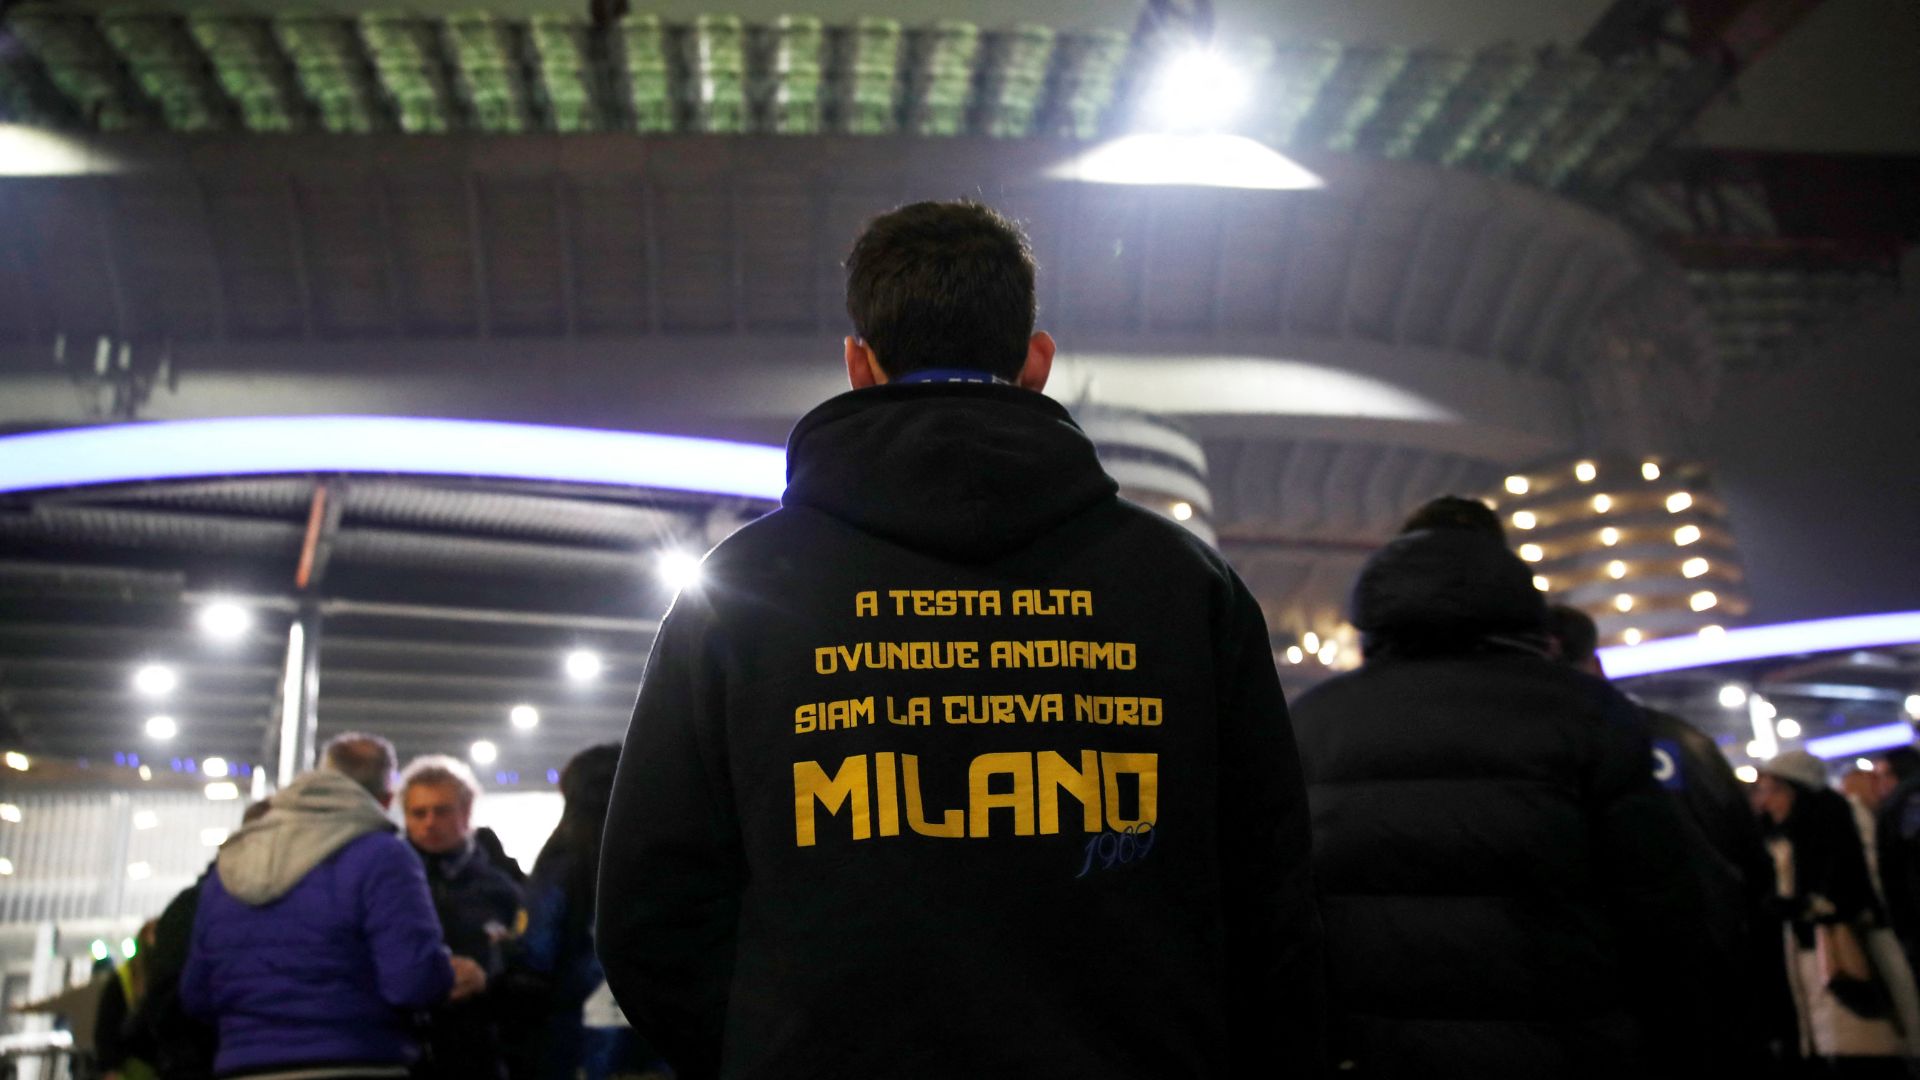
column 368, row 760
column 943, row 285
column 1904, row 761
column 1575, row 630
column 1456, row 512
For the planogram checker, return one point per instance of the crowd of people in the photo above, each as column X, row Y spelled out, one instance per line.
column 1470, row 857
column 325, row 941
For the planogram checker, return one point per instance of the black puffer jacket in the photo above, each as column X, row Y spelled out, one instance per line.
column 1504, row 888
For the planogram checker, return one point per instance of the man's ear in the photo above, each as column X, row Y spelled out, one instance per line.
column 863, row 369
column 1039, row 365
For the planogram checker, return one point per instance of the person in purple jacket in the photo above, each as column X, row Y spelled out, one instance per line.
column 316, row 939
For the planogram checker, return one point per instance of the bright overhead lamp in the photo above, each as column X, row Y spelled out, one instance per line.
column 1623, row 602
column 1693, row 568
column 678, row 569
column 1913, row 706
column 1540, row 582
column 1602, row 503
column 1532, row 552
column 583, row 665
column 155, row 680
column 1650, row 470
column 18, row 761
column 483, row 752
column 145, row 819
column 1585, row 472
column 524, row 717
column 1295, row 654
column 215, row 767
column 1609, row 536
column 6, row 867
column 1517, row 485
column 162, row 727
column 1861, row 741
column 1732, row 697
column 213, row 836
column 1760, row 750
column 1787, row 728
column 1183, row 511
column 1678, row 501
column 1747, row 774
column 1686, row 534
column 139, row 871
column 1712, row 630
column 1616, row 569
column 1524, row 519
column 1630, row 636
column 1702, row 600
column 1311, row 640
column 1329, row 652
column 1196, row 89
column 225, row 620
column 223, row 791
column 9, row 813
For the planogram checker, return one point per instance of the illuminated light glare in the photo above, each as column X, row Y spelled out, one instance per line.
column 1489, row 503
column 524, row 717
column 223, row 791
column 679, row 569
column 1678, row 501
column 583, row 665
column 1192, row 159
column 129, row 948
column 162, row 727
column 1758, row 749
column 1863, row 764
column 1609, row 536
column 1311, row 641
column 155, row 680
column 1861, row 741
column 1747, row 774
column 18, row 761
column 1686, row 534
column 1650, row 470
column 1616, row 569
column 1517, row 485
column 146, row 819
column 1585, row 471
column 99, row 950
column 1712, row 630
column 1762, row 708
column 1703, row 600
column 1732, row 696
column 225, row 620
column 139, row 871
column 1762, row 642
column 1540, row 582
column 1183, row 511
column 146, row 772
column 1913, row 706
column 1532, row 552
column 1295, row 654
column 1329, row 652
column 1196, row 89
column 10, row 813
column 215, row 767
column 1630, row 636
column 1787, row 728
column 213, row 837
column 1524, row 519
column 1623, row 602
column 178, row 449
column 1693, row 567
column 30, row 151
column 483, row 752
column 1602, row 503
column 6, row 867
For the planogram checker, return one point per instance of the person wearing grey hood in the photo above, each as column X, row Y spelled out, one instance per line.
column 315, row 939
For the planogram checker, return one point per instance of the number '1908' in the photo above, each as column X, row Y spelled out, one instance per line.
column 1111, row 849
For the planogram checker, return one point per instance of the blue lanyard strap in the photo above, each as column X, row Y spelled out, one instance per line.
column 951, row 375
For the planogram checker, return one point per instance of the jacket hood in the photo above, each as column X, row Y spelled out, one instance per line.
column 1445, row 590
column 311, row 818
column 962, row 471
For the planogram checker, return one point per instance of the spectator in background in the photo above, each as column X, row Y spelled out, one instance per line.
column 315, row 940
column 1897, row 836
column 557, row 947
column 1825, row 901
column 1505, row 889
column 478, row 907
column 1749, row 1007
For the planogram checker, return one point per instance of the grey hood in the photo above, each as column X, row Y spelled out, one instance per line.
column 313, row 817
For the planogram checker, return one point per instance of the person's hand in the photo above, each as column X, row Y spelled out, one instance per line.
column 469, row 979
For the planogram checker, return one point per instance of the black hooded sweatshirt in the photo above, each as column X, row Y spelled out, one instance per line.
column 957, row 765
column 1506, row 890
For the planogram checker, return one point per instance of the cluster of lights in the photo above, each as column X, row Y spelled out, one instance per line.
column 1326, row 650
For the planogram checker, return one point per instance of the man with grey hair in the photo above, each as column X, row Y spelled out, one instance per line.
column 297, row 905
column 476, row 903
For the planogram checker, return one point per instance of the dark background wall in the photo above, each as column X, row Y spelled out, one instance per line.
column 1821, row 465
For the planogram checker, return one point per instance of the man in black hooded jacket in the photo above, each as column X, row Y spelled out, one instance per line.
column 957, row 765
column 1505, row 888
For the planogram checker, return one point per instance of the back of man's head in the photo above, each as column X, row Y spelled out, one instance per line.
column 1455, row 512
column 1903, row 762
column 1577, row 635
column 943, row 285
column 368, row 760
